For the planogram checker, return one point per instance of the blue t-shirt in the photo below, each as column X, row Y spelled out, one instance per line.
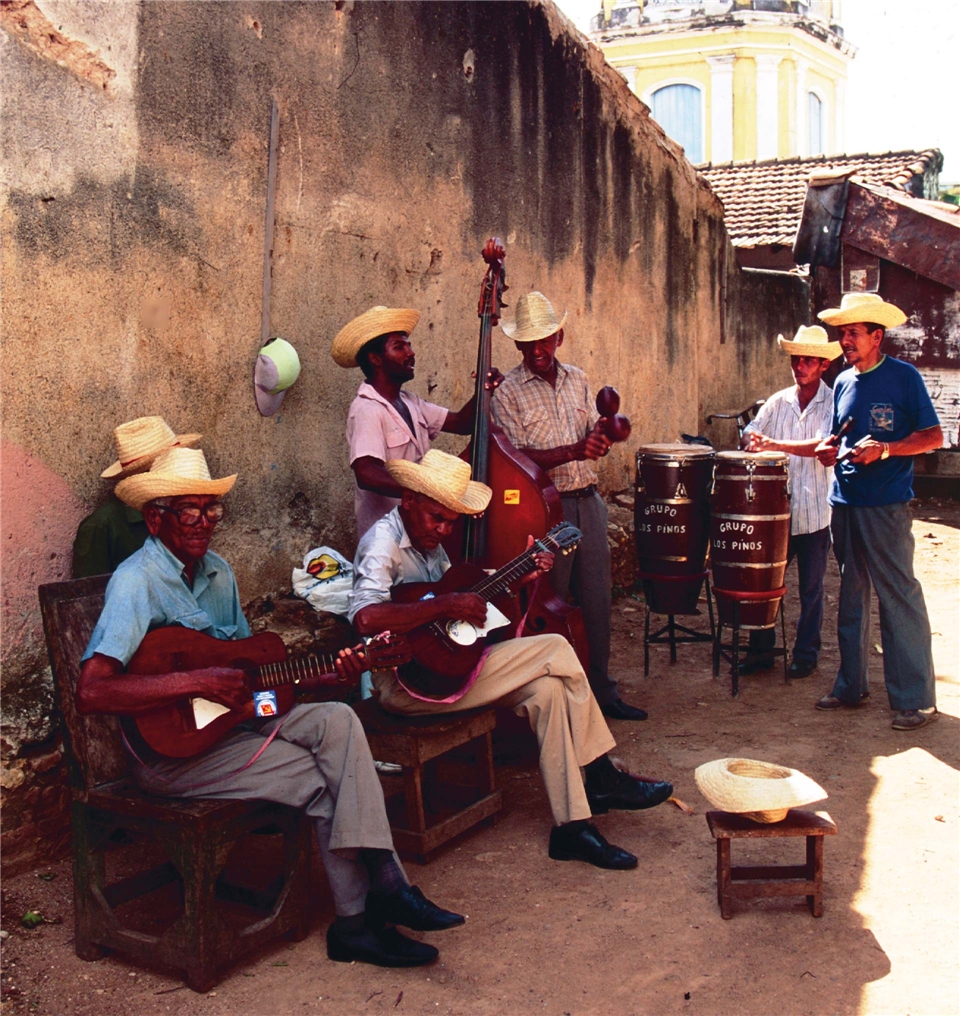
column 889, row 403
column 148, row 591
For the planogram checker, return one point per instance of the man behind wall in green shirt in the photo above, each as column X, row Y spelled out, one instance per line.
column 114, row 531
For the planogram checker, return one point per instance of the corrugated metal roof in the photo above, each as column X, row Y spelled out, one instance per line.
column 763, row 201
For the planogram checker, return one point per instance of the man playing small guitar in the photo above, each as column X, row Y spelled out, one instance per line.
column 314, row 757
column 537, row 676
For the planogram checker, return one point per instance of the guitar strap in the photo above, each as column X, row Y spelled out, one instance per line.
column 208, row 783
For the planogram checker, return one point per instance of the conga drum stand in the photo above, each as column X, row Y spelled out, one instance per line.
column 667, row 635
column 730, row 651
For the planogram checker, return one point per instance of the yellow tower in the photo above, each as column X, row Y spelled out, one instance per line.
column 734, row 79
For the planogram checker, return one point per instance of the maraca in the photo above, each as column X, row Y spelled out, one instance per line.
column 617, row 426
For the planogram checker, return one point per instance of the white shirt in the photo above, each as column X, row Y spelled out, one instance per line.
column 780, row 418
column 386, row 558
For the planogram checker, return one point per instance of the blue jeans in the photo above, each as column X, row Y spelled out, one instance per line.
column 874, row 547
column 810, row 550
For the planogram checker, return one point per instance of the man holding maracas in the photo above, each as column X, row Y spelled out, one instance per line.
column 545, row 409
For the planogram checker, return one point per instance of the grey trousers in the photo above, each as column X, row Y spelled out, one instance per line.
column 319, row 761
column 586, row 573
column 874, row 546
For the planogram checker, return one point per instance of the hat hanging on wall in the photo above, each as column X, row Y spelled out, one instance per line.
column 278, row 366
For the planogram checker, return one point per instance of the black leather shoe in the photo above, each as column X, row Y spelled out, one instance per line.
column 385, row 948
column 410, row 908
column 628, row 794
column 801, row 668
column 620, row 710
column 585, row 843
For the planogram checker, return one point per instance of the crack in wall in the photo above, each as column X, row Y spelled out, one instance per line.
column 24, row 21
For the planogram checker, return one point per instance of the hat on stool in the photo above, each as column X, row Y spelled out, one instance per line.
column 760, row 791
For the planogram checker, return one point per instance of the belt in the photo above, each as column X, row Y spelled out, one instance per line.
column 581, row 493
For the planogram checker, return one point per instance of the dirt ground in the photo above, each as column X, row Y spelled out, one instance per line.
column 569, row 939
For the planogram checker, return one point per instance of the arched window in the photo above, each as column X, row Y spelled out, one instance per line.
column 814, row 124
column 679, row 111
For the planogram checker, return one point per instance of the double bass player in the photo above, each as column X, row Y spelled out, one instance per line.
column 385, row 421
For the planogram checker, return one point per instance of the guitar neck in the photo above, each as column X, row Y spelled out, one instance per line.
column 274, row 675
column 493, row 585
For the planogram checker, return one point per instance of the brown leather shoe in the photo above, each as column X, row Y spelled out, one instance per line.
column 832, row 702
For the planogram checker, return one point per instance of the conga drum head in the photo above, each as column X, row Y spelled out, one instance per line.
column 754, row 460
column 674, row 450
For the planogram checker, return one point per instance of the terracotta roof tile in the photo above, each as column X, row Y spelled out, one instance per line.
column 763, row 201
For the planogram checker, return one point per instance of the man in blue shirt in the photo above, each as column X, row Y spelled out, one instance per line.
column 315, row 757
column 893, row 420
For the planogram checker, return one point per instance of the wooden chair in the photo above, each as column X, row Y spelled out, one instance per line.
column 742, row 416
column 214, row 926
column 434, row 811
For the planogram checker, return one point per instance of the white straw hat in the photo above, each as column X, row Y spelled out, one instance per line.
column 174, row 473
column 535, row 319
column 866, row 307
column 140, row 441
column 759, row 790
column 354, row 335
column 810, row 340
column 443, row 477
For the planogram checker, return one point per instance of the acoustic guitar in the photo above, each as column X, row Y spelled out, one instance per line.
column 445, row 653
column 186, row 728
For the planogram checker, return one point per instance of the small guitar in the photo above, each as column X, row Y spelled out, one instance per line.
column 445, row 653
column 186, row 728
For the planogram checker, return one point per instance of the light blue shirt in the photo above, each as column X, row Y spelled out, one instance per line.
column 386, row 558
column 149, row 590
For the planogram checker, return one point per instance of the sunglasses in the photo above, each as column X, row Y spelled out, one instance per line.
column 191, row 516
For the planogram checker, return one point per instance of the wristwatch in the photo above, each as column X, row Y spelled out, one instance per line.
column 885, row 454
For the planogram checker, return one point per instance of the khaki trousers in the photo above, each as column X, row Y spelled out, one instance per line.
column 540, row 678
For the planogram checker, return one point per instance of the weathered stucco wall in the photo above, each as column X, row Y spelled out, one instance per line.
column 134, row 216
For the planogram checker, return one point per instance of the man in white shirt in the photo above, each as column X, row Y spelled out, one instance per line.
column 794, row 421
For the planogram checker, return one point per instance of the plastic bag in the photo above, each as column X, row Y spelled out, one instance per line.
column 325, row 580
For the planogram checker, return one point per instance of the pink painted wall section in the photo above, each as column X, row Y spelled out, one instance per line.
column 39, row 514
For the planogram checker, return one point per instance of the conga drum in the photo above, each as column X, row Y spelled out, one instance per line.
column 671, row 518
column 749, row 534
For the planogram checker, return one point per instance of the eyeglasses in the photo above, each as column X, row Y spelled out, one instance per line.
column 191, row 516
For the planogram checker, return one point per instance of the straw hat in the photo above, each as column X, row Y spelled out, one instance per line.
column 865, row 307
column 140, row 441
column 175, row 472
column 759, row 790
column 353, row 336
column 810, row 340
column 278, row 366
column 443, row 477
column 535, row 319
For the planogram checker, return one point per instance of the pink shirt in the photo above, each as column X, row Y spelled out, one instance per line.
column 377, row 430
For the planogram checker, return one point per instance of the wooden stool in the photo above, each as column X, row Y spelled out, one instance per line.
column 770, row 880
column 414, row 741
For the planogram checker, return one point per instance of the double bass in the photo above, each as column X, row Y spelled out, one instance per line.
column 524, row 500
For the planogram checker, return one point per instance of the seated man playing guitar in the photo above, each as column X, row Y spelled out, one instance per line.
column 314, row 757
column 538, row 677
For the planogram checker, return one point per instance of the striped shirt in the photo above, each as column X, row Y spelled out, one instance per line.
column 535, row 414
column 780, row 418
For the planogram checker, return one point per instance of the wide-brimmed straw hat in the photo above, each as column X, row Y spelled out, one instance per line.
column 535, row 319
column 759, row 790
column 443, row 477
column 174, row 473
column 354, row 335
column 810, row 340
column 866, row 307
column 140, row 441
